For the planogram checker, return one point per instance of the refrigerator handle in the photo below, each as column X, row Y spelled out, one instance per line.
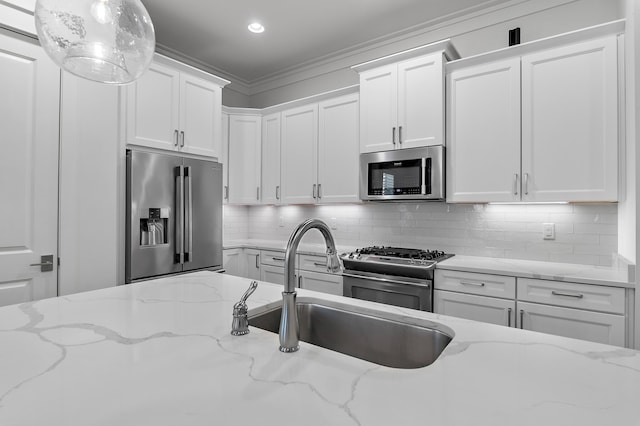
column 179, row 255
column 188, row 255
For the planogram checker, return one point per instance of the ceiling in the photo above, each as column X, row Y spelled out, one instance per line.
column 297, row 32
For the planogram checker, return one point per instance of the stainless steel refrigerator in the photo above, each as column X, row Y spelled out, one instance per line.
column 174, row 215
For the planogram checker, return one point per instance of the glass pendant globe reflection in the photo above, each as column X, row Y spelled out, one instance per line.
column 110, row 41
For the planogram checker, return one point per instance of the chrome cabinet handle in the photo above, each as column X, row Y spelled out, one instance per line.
column 278, row 259
column 46, row 263
column 299, row 281
column 400, row 135
column 522, row 319
column 188, row 255
column 226, row 192
column 182, row 139
column 278, row 192
column 509, row 317
column 257, row 261
column 526, row 184
column 472, row 284
column 561, row 293
column 258, row 193
column 315, row 189
column 393, row 135
column 515, row 184
column 175, row 137
column 319, row 190
column 320, row 264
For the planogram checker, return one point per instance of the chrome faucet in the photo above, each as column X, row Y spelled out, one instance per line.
column 240, row 324
column 289, row 331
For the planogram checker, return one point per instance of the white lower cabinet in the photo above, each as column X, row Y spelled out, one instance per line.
column 252, row 261
column 272, row 274
column 576, row 323
column 231, row 262
column 477, row 308
column 325, row 283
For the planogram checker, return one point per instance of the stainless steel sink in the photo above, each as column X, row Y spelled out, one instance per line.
column 378, row 337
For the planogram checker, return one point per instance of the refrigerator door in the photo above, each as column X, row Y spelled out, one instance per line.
column 153, row 201
column 203, row 214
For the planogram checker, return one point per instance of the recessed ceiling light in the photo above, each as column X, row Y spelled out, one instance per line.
column 256, row 27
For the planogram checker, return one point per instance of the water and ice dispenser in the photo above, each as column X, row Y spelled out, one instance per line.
column 154, row 227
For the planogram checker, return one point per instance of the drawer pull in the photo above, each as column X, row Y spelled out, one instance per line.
column 559, row 293
column 522, row 319
column 472, row 284
column 278, row 259
column 319, row 264
column 509, row 310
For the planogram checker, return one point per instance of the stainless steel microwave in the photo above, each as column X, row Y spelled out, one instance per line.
column 403, row 174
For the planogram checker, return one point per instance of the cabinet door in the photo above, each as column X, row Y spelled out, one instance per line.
column 225, row 157
column 299, row 155
column 570, row 123
column 29, row 119
column 325, row 283
column 378, row 109
column 477, row 308
column 483, row 150
column 200, row 109
column 575, row 323
column 232, row 262
column 244, row 159
column 271, row 159
column 252, row 260
column 272, row 274
column 421, row 102
column 153, row 108
column 338, row 150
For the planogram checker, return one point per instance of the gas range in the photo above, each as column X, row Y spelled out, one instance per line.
column 399, row 261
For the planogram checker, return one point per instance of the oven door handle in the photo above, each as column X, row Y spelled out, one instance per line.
column 384, row 280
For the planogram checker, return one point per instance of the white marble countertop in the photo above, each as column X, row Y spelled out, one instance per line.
column 585, row 274
column 160, row 353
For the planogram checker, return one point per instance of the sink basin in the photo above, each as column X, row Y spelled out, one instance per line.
column 379, row 337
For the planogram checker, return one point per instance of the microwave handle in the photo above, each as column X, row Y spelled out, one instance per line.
column 427, row 178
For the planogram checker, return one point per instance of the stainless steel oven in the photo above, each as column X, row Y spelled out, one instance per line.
column 391, row 275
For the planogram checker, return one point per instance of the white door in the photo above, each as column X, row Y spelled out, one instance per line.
column 299, row 155
column 272, row 274
column 244, row 159
column 338, row 150
column 200, row 109
column 271, row 159
column 252, row 259
column 421, row 102
column 153, row 108
column 378, row 109
column 477, row 308
column 575, row 323
column 225, row 157
column 232, row 262
column 483, row 150
column 325, row 283
column 570, row 123
column 29, row 117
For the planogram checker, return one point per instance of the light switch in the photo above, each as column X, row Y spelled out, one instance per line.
column 549, row 231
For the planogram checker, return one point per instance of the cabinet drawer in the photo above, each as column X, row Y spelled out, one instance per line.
column 274, row 258
column 325, row 283
column 474, row 283
column 472, row 307
column 309, row 262
column 572, row 295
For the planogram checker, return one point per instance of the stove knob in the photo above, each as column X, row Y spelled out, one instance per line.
column 358, row 256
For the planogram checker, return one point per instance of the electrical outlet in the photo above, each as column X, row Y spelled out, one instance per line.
column 333, row 223
column 549, row 231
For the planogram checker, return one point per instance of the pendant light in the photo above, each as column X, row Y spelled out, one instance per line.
column 109, row 41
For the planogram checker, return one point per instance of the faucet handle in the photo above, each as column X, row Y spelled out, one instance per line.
column 240, row 324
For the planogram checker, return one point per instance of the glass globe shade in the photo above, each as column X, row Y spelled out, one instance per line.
column 110, row 41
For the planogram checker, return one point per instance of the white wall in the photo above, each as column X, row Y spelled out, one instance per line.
column 479, row 33
column 585, row 234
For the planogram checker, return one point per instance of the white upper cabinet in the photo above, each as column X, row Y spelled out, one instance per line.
column 244, row 158
column 299, row 154
column 271, row 193
column 402, row 99
column 338, row 152
column 483, row 152
column 570, row 123
column 170, row 109
column 319, row 154
column 540, row 126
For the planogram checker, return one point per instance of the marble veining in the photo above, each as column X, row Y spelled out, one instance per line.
column 160, row 353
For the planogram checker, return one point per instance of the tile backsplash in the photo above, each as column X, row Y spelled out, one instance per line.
column 584, row 233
